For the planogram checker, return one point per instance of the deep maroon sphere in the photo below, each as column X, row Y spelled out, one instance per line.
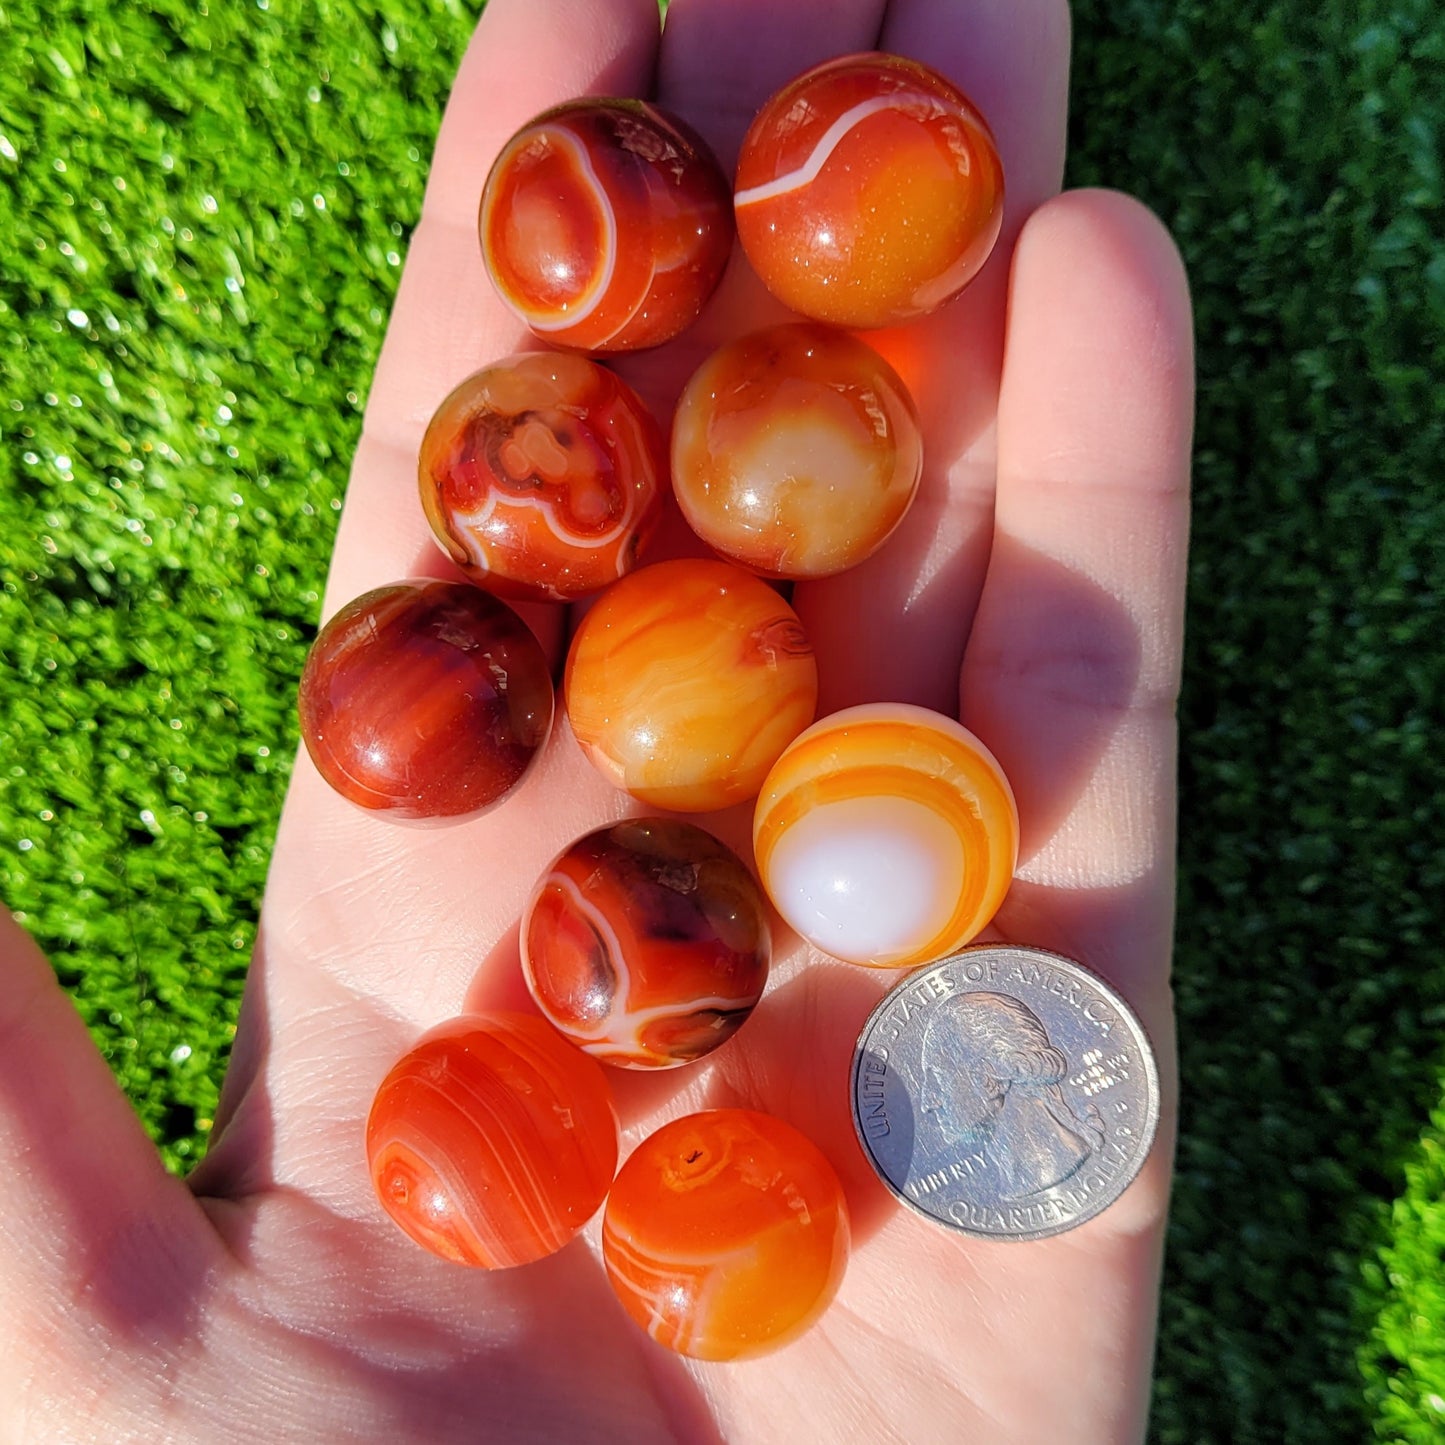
column 425, row 700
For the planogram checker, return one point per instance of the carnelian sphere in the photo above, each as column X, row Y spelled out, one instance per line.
column 493, row 1141
column 686, row 680
column 725, row 1234
column 646, row 943
column 606, row 225
column 869, row 191
column 541, row 476
column 887, row 835
column 795, row 451
column 425, row 700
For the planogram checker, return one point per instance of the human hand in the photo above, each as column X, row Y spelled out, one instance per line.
column 267, row 1298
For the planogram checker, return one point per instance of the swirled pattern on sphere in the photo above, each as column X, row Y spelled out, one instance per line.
column 869, row 191
column 646, row 943
column 795, row 451
column 425, row 700
column 686, row 680
column 887, row 835
column 541, row 476
column 725, row 1234
column 606, row 225
column 493, row 1141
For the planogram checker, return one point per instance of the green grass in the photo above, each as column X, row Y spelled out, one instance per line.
column 202, row 217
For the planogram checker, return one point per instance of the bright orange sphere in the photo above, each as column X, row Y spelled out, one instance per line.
column 686, row 680
column 493, row 1141
column 869, row 191
column 725, row 1234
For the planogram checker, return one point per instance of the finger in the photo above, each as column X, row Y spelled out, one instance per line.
column 721, row 59
column 894, row 628
column 1073, row 669
column 448, row 321
column 90, row 1222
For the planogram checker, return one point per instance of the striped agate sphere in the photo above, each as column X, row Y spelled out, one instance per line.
column 725, row 1234
column 795, row 451
column 646, row 943
column 869, row 191
column 425, row 700
column 886, row 834
column 493, row 1141
column 542, row 476
column 686, row 680
column 606, row 225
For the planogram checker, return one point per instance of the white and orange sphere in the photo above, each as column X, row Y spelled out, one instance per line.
column 795, row 451
column 886, row 835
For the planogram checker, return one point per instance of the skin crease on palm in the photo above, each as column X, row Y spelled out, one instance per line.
column 1036, row 589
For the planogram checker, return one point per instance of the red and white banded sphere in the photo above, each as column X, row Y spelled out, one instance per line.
column 606, row 225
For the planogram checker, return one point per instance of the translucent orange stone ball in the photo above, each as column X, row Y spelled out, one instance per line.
column 869, row 191
column 605, row 225
column 493, row 1141
column 795, row 451
column 725, row 1234
column 886, row 834
column 686, row 680
column 425, row 701
column 542, row 476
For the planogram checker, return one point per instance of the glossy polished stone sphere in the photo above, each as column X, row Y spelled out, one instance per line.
column 425, row 701
column 725, row 1234
column 795, row 451
column 492, row 1141
column 542, row 477
column 606, row 225
column 869, row 191
column 646, row 943
column 886, row 834
column 686, row 680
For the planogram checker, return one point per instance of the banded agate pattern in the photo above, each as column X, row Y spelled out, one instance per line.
column 725, row 1234
column 493, row 1141
column 685, row 682
column 425, row 700
column 541, row 476
column 646, row 943
column 869, row 191
column 796, row 451
column 606, row 225
column 887, row 835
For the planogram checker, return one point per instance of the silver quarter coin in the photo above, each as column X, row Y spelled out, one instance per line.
column 1006, row 1092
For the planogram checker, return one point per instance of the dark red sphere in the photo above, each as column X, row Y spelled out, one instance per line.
column 425, row 700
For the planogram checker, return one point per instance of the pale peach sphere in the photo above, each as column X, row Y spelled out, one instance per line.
column 796, row 451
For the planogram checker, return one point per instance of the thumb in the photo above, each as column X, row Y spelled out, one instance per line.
column 93, row 1231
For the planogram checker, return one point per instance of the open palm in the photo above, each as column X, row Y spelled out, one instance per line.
column 1035, row 589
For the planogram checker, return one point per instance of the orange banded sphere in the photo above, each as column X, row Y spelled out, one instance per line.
column 542, row 476
column 606, row 225
column 725, row 1234
column 796, row 451
column 493, row 1141
column 886, row 835
column 869, row 191
column 685, row 682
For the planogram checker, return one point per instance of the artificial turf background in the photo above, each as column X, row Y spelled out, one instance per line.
column 202, row 217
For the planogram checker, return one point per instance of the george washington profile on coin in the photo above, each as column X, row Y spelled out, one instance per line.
column 992, row 1090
